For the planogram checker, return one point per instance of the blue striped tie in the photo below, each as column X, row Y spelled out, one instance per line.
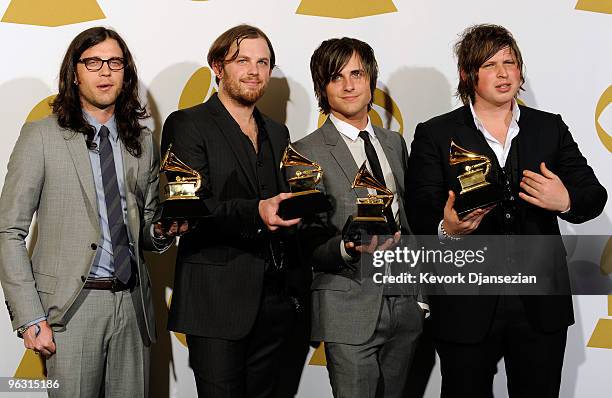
column 114, row 212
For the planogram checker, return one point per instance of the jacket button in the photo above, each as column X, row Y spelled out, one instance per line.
column 94, row 246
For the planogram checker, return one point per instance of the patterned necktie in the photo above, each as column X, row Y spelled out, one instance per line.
column 378, row 174
column 114, row 212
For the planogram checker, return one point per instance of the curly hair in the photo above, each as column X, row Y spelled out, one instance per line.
column 477, row 44
column 128, row 110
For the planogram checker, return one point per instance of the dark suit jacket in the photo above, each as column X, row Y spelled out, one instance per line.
column 220, row 265
column 543, row 137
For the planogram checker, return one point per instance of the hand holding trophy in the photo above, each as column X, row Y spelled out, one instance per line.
column 476, row 191
column 370, row 219
column 306, row 199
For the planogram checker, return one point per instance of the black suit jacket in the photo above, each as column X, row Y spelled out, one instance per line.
column 220, row 265
column 543, row 137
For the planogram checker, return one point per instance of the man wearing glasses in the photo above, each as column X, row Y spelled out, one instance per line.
column 90, row 172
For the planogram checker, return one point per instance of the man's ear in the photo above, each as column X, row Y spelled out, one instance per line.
column 217, row 68
column 462, row 75
column 76, row 80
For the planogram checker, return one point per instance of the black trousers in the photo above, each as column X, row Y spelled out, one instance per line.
column 245, row 368
column 533, row 359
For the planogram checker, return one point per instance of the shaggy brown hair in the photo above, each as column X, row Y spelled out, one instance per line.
column 328, row 60
column 477, row 44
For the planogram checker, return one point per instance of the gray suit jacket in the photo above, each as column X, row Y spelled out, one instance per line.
column 49, row 172
column 345, row 305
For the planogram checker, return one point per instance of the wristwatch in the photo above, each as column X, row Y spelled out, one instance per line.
column 23, row 329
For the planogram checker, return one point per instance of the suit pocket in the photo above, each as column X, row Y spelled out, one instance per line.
column 331, row 282
column 45, row 283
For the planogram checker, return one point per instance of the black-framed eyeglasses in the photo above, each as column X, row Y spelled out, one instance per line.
column 94, row 64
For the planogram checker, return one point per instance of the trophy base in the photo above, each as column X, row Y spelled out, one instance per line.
column 303, row 204
column 181, row 209
column 360, row 230
column 477, row 199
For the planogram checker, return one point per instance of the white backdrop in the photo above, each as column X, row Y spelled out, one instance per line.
column 567, row 49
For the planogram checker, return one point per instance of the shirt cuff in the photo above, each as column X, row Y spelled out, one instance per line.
column 345, row 256
column 425, row 308
column 34, row 322
column 440, row 233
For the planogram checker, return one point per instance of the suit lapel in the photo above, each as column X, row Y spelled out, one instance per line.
column 80, row 157
column 527, row 142
column 278, row 143
column 393, row 157
column 342, row 155
column 397, row 167
column 231, row 132
column 131, row 167
column 470, row 138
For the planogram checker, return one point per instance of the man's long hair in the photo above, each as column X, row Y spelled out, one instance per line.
column 331, row 56
column 477, row 44
column 128, row 110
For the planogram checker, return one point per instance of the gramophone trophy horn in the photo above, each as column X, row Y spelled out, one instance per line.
column 187, row 181
column 365, row 179
column 306, row 199
column 477, row 167
column 181, row 200
column 476, row 190
column 304, row 180
column 370, row 219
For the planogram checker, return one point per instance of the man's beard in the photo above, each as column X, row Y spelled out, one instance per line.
column 243, row 95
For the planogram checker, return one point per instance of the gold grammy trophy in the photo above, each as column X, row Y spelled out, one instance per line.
column 180, row 193
column 306, row 199
column 370, row 219
column 476, row 191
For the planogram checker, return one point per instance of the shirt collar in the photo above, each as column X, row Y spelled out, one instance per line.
column 350, row 131
column 111, row 124
column 516, row 114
